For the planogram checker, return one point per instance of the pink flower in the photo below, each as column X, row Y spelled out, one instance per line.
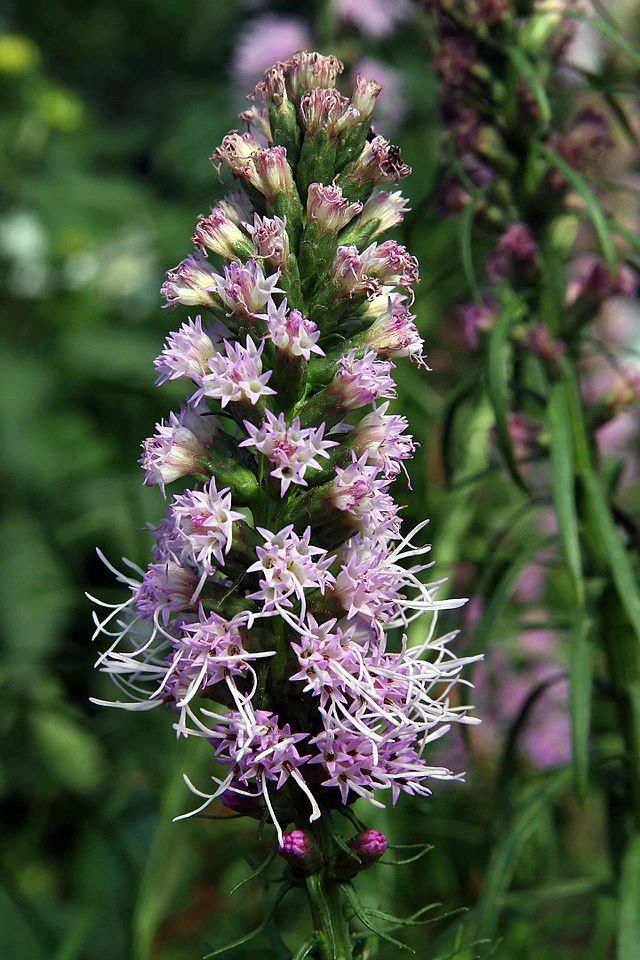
column 219, row 234
column 293, row 334
column 293, row 450
column 327, row 110
column 166, row 588
column 244, row 289
column 190, row 283
column 327, row 207
column 177, row 446
column 287, row 565
column 264, row 41
column 235, row 376
column 362, row 380
column 186, row 353
column 204, row 525
column 383, row 439
column 269, row 235
column 377, row 18
column 393, row 333
column 379, row 163
column 390, row 100
column 386, row 209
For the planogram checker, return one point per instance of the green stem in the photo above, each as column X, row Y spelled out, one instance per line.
column 330, row 924
column 331, row 927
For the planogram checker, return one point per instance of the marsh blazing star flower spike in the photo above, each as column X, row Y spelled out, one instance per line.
column 281, row 566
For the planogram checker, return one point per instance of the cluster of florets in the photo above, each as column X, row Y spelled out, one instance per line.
column 271, row 617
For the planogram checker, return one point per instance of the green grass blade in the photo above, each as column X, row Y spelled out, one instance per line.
column 498, row 386
column 501, row 588
column 606, row 536
column 528, row 73
column 466, row 250
column 533, row 807
column 563, row 483
column 629, row 902
column 580, row 691
column 581, row 187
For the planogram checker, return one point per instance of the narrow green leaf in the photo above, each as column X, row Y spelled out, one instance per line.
column 526, row 69
column 506, row 853
column 466, row 250
column 581, row 683
column 502, row 588
column 629, row 902
column 266, row 863
column 605, row 534
column 222, row 951
column 362, row 914
column 563, row 483
column 453, row 401
column 498, row 386
column 581, row 186
column 306, row 949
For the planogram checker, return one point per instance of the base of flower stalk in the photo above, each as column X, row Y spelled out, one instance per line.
column 331, row 928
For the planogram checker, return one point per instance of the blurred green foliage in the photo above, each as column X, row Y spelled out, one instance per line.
column 110, row 114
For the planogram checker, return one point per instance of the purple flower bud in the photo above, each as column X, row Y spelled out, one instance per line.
column 176, row 447
column 463, row 123
column 235, row 150
column 586, row 145
column 516, row 247
column 602, row 284
column 473, row 319
column 544, row 345
column 455, row 60
column 327, row 207
column 451, row 196
column 369, row 846
column 387, row 207
column 192, row 283
column 306, row 71
column 241, row 803
column 327, row 110
column 518, row 243
column 492, row 11
column 269, row 235
column 380, row 162
column 300, row 849
column 365, row 93
column 221, row 235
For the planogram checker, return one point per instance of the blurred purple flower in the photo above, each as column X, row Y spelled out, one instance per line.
column 504, row 681
column 531, row 584
column 266, row 40
column 376, row 18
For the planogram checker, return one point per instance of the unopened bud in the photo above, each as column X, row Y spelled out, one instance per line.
column 300, row 849
column 242, row 804
column 367, row 848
